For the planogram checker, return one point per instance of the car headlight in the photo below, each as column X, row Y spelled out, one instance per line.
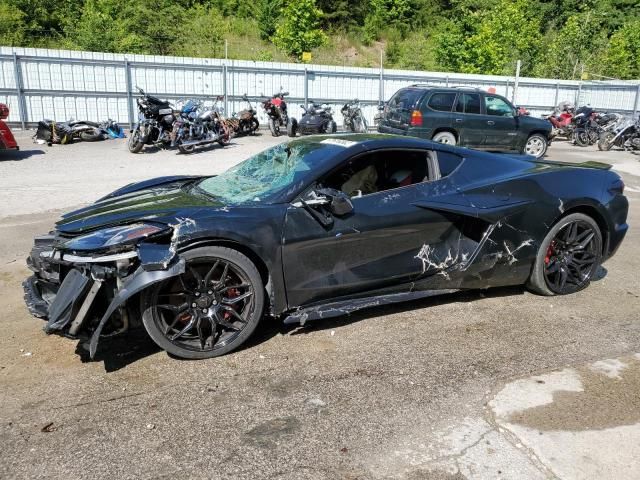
column 109, row 237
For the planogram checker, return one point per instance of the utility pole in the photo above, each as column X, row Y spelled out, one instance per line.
column 515, row 84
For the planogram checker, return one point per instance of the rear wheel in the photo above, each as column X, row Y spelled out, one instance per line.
column 569, row 256
column 605, row 142
column 581, row 138
column 186, row 149
column 447, row 138
column 209, row 310
column 91, row 135
column 292, row 127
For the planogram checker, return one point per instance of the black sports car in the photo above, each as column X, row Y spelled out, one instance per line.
column 318, row 227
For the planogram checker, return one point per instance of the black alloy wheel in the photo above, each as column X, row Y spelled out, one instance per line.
column 210, row 309
column 569, row 256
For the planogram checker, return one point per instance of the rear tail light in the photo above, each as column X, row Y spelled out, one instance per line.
column 617, row 187
column 416, row 118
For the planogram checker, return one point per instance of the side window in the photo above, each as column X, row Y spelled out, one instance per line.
column 497, row 106
column 442, row 102
column 380, row 171
column 468, row 103
column 405, row 99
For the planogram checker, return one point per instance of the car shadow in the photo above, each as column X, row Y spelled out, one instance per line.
column 17, row 155
column 122, row 350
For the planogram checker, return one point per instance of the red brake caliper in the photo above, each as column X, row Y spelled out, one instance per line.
column 231, row 293
column 550, row 251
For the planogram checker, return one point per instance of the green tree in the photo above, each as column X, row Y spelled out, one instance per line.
column 387, row 15
column 491, row 41
column 268, row 16
column 207, row 29
column 300, row 28
column 622, row 56
column 12, row 25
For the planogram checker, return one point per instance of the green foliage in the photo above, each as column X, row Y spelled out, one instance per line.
column 491, row 41
column 554, row 38
column 12, row 25
column 299, row 30
column 268, row 16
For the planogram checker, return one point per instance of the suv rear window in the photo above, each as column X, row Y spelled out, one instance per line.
column 405, row 99
column 443, row 101
column 468, row 103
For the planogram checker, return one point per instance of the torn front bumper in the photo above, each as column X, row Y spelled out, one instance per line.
column 78, row 294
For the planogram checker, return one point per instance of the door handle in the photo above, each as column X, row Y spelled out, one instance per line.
column 458, row 120
column 490, row 122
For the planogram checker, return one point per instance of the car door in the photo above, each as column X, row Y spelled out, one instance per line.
column 375, row 246
column 468, row 120
column 437, row 114
column 502, row 124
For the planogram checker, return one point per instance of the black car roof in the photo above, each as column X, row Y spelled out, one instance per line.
column 369, row 141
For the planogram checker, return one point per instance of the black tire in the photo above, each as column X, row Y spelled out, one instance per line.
column 190, row 323
column 254, row 126
column 605, row 142
column 581, row 138
column 536, row 145
column 91, row 135
column 134, row 143
column 292, row 127
column 186, row 149
column 225, row 138
column 557, row 258
column 274, row 128
column 332, row 127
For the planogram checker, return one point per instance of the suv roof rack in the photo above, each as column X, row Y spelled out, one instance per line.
column 461, row 87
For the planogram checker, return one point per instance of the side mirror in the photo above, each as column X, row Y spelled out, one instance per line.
column 380, row 107
column 339, row 202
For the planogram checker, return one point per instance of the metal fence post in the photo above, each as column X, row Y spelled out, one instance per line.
column 506, row 89
column 447, row 81
column 224, row 88
column 636, row 104
column 127, row 76
column 22, row 110
column 578, row 94
column 306, row 87
column 555, row 102
column 381, row 87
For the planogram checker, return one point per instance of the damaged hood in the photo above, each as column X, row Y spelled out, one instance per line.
column 161, row 200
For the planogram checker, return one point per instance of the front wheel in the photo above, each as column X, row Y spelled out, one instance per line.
column 209, row 310
column 536, row 145
column 91, row 135
column 605, row 142
column 581, row 138
column 292, row 127
column 274, row 127
column 135, row 142
column 568, row 258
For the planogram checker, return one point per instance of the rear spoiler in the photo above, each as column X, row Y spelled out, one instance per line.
column 589, row 164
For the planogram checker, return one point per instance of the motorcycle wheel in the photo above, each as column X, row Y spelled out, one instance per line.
column 275, row 129
column 253, row 128
column 134, row 143
column 582, row 138
column 292, row 127
column 331, row 127
column 91, row 135
column 605, row 142
column 186, row 149
column 363, row 124
column 225, row 138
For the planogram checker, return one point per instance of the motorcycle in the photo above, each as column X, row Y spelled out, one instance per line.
column 562, row 121
column 197, row 126
column 276, row 109
column 316, row 119
column 7, row 140
column 353, row 119
column 51, row 132
column 155, row 123
column 244, row 122
column 590, row 126
column 625, row 136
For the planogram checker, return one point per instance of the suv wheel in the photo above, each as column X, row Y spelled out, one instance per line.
column 536, row 145
column 447, row 138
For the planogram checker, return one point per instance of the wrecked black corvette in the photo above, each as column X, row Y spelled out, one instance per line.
column 318, row 227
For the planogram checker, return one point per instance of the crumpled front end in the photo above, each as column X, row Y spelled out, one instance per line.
column 84, row 294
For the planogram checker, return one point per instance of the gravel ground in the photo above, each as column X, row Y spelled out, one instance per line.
column 405, row 391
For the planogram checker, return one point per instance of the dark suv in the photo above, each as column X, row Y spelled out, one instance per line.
column 464, row 116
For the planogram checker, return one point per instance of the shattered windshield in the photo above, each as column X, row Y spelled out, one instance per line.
column 261, row 177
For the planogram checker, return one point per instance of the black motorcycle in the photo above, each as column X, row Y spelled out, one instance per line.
column 51, row 132
column 276, row 109
column 626, row 136
column 316, row 119
column 197, row 127
column 354, row 120
column 155, row 122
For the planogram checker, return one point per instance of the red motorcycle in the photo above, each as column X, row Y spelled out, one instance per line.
column 562, row 121
column 276, row 109
column 7, row 140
